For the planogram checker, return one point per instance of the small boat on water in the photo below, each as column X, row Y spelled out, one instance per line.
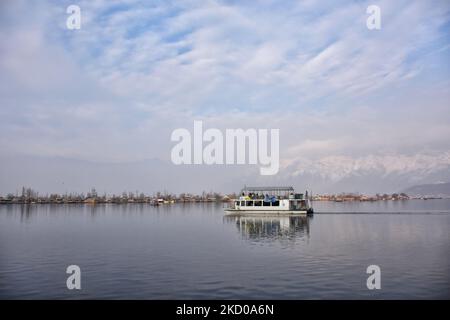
column 271, row 200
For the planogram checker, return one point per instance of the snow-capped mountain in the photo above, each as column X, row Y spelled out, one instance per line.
column 332, row 174
column 370, row 174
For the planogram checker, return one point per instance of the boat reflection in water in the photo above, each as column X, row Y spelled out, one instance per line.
column 253, row 227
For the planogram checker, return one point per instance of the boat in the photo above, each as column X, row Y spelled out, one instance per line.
column 271, row 200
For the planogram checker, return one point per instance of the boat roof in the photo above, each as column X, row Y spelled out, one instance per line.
column 268, row 189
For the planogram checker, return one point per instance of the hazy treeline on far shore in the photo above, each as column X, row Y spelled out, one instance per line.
column 30, row 196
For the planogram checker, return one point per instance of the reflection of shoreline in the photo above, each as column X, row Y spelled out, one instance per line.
column 271, row 227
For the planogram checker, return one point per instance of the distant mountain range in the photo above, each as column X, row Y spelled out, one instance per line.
column 368, row 174
column 435, row 189
column 333, row 174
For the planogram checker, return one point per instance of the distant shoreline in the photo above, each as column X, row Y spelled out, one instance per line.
column 165, row 203
column 30, row 196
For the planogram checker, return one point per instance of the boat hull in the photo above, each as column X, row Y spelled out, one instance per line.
column 269, row 212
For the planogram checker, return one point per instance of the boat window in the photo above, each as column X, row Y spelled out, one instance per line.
column 258, row 203
column 276, row 203
column 242, row 203
column 266, row 204
column 250, row 203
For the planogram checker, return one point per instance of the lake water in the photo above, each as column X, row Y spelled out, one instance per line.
column 193, row 252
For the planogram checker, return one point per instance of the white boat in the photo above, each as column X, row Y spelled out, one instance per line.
column 271, row 200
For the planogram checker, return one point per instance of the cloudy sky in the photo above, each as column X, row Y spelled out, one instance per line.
column 348, row 101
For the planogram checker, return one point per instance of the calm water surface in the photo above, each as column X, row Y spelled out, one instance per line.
column 194, row 252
